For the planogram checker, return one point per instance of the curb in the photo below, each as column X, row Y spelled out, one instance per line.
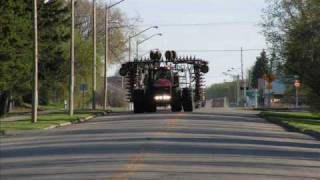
column 4, row 133
column 70, row 123
column 290, row 128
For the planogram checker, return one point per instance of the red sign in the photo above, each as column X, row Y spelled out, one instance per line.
column 297, row 83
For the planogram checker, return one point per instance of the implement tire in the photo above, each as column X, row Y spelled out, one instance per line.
column 187, row 100
column 150, row 104
column 176, row 105
column 138, row 101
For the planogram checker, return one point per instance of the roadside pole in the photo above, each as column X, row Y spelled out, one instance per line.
column 105, row 99
column 297, row 85
column 94, row 64
column 35, row 66
column 297, row 98
column 256, row 98
column 238, row 90
column 129, row 48
column 71, row 88
column 106, row 58
column 243, row 80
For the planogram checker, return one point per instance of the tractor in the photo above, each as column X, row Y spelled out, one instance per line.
column 156, row 81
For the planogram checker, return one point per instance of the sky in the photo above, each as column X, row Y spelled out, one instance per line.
column 191, row 26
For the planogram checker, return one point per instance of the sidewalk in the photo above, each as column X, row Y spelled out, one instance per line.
column 24, row 116
column 209, row 109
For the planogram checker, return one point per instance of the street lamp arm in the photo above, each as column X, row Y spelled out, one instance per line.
column 140, row 42
column 156, row 27
column 108, row 7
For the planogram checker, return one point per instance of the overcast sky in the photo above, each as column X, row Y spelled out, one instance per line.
column 203, row 25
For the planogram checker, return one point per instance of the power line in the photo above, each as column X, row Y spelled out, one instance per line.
column 202, row 24
column 213, row 50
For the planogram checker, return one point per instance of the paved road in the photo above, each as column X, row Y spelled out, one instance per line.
column 163, row 146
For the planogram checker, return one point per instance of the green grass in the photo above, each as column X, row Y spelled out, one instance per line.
column 118, row 109
column 44, row 121
column 52, row 107
column 302, row 122
column 305, row 126
column 294, row 115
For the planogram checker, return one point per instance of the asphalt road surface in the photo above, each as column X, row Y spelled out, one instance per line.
column 169, row 146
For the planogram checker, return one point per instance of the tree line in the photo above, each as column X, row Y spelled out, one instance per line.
column 292, row 28
column 16, row 48
column 292, row 31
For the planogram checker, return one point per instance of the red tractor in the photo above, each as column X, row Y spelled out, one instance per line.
column 174, row 81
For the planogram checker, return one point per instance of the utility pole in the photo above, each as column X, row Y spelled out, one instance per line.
column 137, row 50
column 243, row 79
column 297, row 85
column 71, row 62
column 129, row 48
column 94, row 64
column 297, row 98
column 238, row 90
column 105, row 99
column 35, row 65
column 106, row 58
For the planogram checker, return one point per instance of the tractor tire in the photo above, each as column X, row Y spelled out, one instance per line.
column 187, row 100
column 150, row 104
column 138, row 101
column 176, row 105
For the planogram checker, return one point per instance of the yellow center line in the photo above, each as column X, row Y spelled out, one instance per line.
column 136, row 162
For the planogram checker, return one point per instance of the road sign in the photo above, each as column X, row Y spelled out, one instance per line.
column 269, row 77
column 83, row 88
column 297, row 83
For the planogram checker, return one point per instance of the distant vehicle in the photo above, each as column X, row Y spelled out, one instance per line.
column 174, row 81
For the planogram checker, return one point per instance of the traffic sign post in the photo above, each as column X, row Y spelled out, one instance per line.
column 269, row 78
column 297, row 85
column 83, row 90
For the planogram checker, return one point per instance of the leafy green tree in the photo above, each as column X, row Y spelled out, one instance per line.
column 292, row 28
column 15, row 50
column 54, row 38
column 259, row 69
column 16, row 47
column 227, row 89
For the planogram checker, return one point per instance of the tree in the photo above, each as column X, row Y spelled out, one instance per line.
column 293, row 28
column 259, row 69
column 227, row 89
column 54, row 25
column 15, row 50
column 16, row 47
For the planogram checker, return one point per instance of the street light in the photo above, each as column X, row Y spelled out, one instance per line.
column 106, row 53
column 140, row 42
column 71, row 83
column 34, row 113
column 137, row 34
column 35, row 65
column 94, row 63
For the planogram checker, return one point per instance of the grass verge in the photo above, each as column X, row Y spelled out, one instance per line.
column 306, row 123
column 44, row 121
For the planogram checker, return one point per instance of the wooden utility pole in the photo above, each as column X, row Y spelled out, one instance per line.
column 106, row 58
column 94, row 64
column 71, row 95
column 243, row 80
column 35, row 65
